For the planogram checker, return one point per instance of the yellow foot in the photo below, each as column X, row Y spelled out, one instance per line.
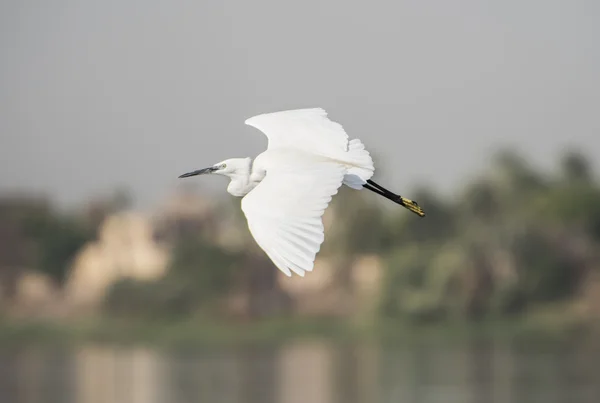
column 412, row 206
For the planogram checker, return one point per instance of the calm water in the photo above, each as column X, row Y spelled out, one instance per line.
column 314, row 372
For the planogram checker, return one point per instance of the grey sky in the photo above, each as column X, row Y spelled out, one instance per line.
column 95, row 95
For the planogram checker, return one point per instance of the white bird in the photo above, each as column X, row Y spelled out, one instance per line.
column 287, row 188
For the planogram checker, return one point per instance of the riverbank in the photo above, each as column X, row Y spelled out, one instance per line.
column 206, row 332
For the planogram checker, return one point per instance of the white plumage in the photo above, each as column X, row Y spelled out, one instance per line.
column 288, row 187
column 284, row 210
column 306, row 129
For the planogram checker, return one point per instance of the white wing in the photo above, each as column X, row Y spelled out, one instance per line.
column 306, row 129
column 285, row 210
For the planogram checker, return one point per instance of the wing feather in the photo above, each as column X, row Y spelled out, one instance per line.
column 285, row 210
column 307, row 129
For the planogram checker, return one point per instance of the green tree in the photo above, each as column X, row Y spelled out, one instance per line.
column 48, row 240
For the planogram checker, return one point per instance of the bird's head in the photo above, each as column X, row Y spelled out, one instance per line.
column 228, row 167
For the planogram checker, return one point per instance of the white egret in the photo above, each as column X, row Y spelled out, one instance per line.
column 287, row 188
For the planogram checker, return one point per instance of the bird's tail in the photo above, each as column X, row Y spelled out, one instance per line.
column 361, row 165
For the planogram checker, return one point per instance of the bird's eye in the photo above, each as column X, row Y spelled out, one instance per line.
column 223, row 166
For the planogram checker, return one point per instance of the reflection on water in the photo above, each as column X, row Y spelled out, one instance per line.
column 301, row 372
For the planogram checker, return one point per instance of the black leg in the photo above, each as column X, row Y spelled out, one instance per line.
column 381, row 188
column 379, row 192
column 403, row 201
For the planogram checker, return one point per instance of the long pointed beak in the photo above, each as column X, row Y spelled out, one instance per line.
column 199, row 172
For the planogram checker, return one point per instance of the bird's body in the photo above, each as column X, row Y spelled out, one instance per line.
column 287, row 188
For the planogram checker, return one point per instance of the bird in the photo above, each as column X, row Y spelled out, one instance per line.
column 286, row 189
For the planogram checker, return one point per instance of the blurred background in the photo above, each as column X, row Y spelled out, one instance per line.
column 120, row 283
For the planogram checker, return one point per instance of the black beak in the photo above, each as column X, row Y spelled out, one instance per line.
column 199, row 172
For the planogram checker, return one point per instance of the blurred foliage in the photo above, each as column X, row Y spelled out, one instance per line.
column 36, row 236
column 199, row 275
column 58, row 239
column 514, row 239
column 510, row 241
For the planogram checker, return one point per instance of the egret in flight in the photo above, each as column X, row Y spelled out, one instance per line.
column 287, row 188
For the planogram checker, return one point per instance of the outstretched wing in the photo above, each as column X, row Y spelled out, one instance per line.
column 285, row 210
column 306, row 129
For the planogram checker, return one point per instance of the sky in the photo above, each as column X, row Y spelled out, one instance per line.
column 99, row 95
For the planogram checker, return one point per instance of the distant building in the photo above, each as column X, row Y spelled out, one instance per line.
column 126, row 248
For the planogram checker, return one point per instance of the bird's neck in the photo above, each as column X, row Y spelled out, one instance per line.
column 243, row 180
column 238, row 186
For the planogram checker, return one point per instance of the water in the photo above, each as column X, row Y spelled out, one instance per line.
column 315, row 372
